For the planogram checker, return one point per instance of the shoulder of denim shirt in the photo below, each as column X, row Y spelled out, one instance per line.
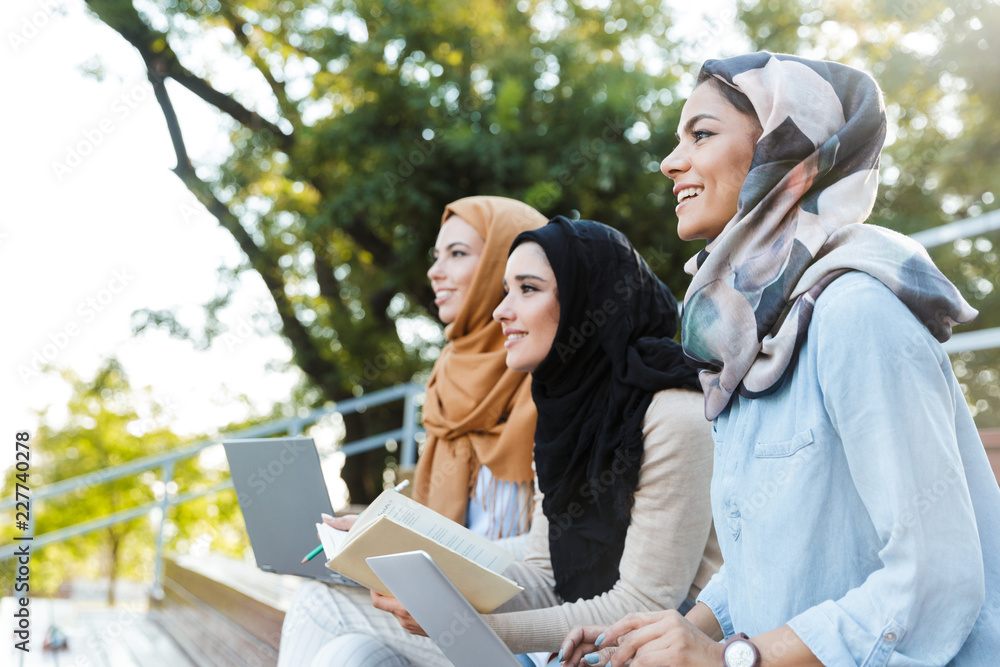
column 856, row 295
column 857, row 308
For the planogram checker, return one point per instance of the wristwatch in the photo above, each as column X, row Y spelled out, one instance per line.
column 738, row 651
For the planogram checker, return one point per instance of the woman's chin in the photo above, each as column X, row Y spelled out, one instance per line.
column 694, row 228
column 446, row 314
column 515, row 363
column 696, row 233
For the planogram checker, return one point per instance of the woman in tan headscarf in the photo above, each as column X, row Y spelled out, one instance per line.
column 476, row 465
column 478, row 413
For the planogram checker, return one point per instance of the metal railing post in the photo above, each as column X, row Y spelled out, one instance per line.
column 408, row 455
column 168, row 476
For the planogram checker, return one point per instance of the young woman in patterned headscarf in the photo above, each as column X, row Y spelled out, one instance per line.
column 857, row 513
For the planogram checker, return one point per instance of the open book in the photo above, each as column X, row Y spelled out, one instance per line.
column 395, row 524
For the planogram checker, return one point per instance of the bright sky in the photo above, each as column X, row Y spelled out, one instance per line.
column 96, row 226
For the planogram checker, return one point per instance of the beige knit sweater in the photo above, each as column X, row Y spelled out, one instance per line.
column 670, row 548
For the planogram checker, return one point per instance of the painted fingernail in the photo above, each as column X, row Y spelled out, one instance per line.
column 591, row 658
column 600, row 639
column 559, row 657
column 326, row 516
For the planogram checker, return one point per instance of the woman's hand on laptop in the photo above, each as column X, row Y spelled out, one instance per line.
column 340, row 522
column 395, row 607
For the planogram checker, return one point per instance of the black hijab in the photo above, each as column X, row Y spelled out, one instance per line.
column 613, row 350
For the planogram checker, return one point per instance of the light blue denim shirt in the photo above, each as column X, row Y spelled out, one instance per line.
column 856, row 504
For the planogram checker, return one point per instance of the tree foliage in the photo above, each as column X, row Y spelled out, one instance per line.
column 108, row 424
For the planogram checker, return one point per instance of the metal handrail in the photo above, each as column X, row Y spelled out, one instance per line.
column 291, row 426
column 935, row 236
column 979, row 339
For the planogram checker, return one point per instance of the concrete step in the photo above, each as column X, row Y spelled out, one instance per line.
column 222, row 611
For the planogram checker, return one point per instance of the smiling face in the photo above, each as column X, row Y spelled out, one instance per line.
column 529, row 314
column 456, row 256
column 715, row 147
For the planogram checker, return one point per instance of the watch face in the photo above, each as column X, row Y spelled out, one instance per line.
column 739, row 654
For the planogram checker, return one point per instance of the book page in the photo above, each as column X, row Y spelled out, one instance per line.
column 442, row 530
column 366, row 517
column 333, row 540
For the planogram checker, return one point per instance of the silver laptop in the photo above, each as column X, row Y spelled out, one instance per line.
column 441, row 610
column 281, row 491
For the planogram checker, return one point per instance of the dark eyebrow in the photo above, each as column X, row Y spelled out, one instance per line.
column 528, row 276
column 694, row 121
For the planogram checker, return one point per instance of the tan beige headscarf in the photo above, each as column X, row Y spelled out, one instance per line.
column 478, row 411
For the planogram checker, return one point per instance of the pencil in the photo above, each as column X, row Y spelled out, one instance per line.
column 312, row 554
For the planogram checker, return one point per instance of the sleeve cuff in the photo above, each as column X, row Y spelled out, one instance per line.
column 716, row 596
column 832, row 643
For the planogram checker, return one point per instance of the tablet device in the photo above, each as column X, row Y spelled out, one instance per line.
column 281, row 491
column 441, row 610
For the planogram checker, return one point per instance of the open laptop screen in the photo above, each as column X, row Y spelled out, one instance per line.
column 281, row 491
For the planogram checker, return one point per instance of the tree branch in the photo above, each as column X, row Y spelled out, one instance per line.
column 329, row 286
column 173, row 126
column 237, row 25
column 204, row 90
column 162, row 61
column 381, row 251
column 307, row 354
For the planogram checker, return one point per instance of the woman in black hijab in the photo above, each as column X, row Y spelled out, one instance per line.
column 622, row 453
column 612, row 351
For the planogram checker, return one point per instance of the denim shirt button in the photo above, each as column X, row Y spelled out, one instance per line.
column 889, row 637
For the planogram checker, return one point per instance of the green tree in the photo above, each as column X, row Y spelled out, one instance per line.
column 356, row 122
column 938, row 64
column 104, row 428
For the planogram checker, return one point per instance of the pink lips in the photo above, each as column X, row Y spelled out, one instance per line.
column 680, row 187
column 444, row 297
column 509, row 343
column 684, row 186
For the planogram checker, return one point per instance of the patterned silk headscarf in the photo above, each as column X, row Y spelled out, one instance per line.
column 812, row 180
